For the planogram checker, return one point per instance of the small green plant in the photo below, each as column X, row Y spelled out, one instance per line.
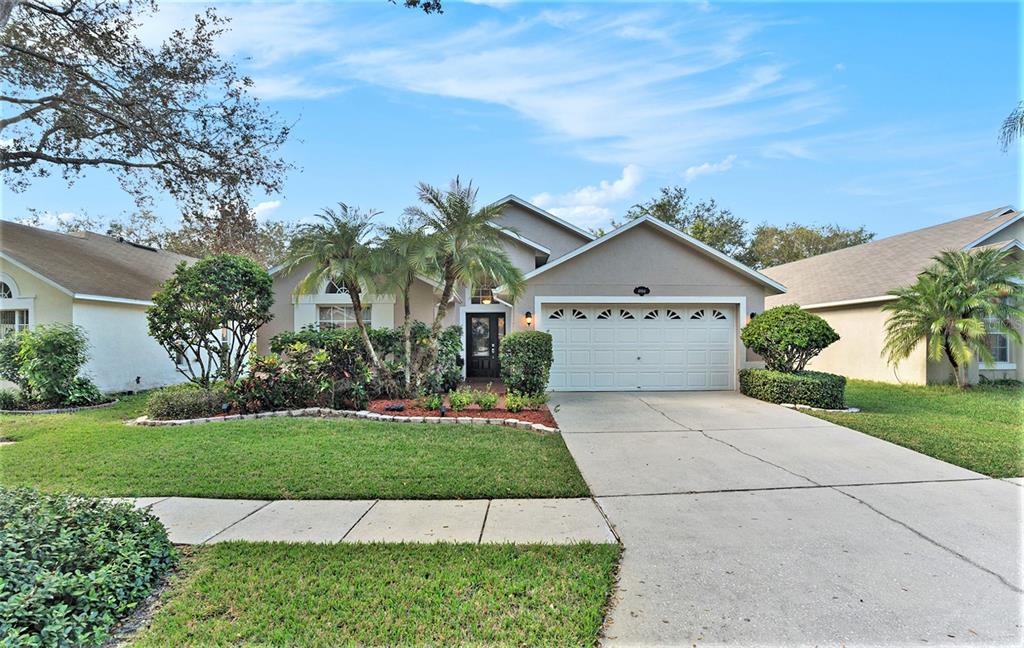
column 516, row 402
column 460, row 399
column 432, row 401
column 9, row 399
column 538, row 400
column 485, row 398
column 74, row 566
column 82, row 392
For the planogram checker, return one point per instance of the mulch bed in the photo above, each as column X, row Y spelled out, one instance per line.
column 412, row 408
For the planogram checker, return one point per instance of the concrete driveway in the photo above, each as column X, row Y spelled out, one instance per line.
column 748, row 523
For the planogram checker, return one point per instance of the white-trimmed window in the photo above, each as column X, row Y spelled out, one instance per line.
column 482, row 295
column 998, row 343
column 13, row 321
column 340, row 316
column 5, row 291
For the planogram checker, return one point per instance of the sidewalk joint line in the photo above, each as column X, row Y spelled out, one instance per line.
column 607, row 520
column 480, row 538
column 807, row 487
column 356, row 523
column 246, row 516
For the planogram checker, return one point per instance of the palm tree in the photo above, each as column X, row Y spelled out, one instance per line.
column 467, row 245
column 952, row 306
column 403, row 253
column 337, row 247
column 1013, row 127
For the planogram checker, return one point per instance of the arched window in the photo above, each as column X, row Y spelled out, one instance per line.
column 334, row 288
column 5, row 291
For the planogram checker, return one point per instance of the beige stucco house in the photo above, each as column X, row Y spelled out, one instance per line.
column 848, row 288
column 644, row 307
column 100, row 283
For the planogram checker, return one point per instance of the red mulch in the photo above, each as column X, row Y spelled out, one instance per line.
column 542, row 415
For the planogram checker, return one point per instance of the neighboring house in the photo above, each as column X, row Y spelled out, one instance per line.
column 848, row 288
column 100, row 283
column 644, row 307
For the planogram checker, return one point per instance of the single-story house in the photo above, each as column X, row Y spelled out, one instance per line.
column 848, row 288
column 100, row 283
column 644, row 307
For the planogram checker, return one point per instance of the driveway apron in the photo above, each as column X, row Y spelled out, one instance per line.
column 747, row 523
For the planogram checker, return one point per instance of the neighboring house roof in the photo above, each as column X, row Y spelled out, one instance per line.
column 512, row 198
column 865, row 273
column 88, row 265
column 673, row 232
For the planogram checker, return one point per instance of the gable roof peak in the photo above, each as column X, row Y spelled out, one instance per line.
column 512, row 198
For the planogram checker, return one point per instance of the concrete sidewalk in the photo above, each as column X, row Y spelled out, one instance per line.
column 192, row 520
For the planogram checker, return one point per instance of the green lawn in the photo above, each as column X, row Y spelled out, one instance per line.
column 327, row 595
column 93, row 452
column 980, row 428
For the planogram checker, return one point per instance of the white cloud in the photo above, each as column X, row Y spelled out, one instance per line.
column 709, row 168
column 270, row 88
column 648, row 87
column 263, row 210
column 589, row 206
column 839, row 67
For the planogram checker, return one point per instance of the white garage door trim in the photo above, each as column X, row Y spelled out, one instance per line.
column 739, row 352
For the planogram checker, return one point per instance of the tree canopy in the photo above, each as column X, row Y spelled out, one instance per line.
column 82, row 90
column 769, row 245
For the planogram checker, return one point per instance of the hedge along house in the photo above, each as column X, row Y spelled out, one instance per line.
column 644, row 307
column 100, row 283
column 848, row 288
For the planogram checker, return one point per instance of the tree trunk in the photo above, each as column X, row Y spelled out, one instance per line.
column 407, row 335
column 357, row 310
column 953, row 363
column 442, row 311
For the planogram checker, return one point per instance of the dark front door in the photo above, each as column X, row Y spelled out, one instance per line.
column 483, row 333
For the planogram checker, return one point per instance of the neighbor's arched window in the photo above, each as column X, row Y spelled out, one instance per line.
column 5, row 291
column 334, row 288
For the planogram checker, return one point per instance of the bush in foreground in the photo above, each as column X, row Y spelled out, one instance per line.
column 186, row 401
column 812, row 388
column 71, row 567
column 526, row 359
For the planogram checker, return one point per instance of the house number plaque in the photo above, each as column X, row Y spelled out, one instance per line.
column 643, row 291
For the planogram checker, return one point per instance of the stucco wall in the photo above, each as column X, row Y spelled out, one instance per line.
column 46, row 304
column 121, row 349
column 858, row 353
column 643, row 256
column 558, row 239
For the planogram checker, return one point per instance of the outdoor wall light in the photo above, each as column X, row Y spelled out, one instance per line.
column 529, row 318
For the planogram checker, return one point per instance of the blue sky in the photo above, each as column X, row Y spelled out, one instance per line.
column 878, row 114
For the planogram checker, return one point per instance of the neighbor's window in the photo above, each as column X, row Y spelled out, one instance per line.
column 12, row 321
column 482, row 295
column 997, row 342
column 340, row 316
column 5, row 291
column 335, row 289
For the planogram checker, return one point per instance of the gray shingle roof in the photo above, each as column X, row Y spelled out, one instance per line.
column 88, row 263
column 873, row 269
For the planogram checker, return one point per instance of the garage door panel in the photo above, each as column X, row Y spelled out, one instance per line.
column 612, row 347
column 720, row 336
column 601, row 335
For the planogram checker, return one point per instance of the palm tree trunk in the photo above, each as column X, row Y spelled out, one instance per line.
column 442, row 311
column 953, row 363
column 357, row 310
column 407, row 335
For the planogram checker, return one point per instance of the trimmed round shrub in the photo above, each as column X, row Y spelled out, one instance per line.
column 787, row 337
column 813, row 388
column 71, row 567
column 186, row 401
column 526, row 359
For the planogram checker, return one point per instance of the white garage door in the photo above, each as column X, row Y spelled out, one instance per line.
column 626, row 347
